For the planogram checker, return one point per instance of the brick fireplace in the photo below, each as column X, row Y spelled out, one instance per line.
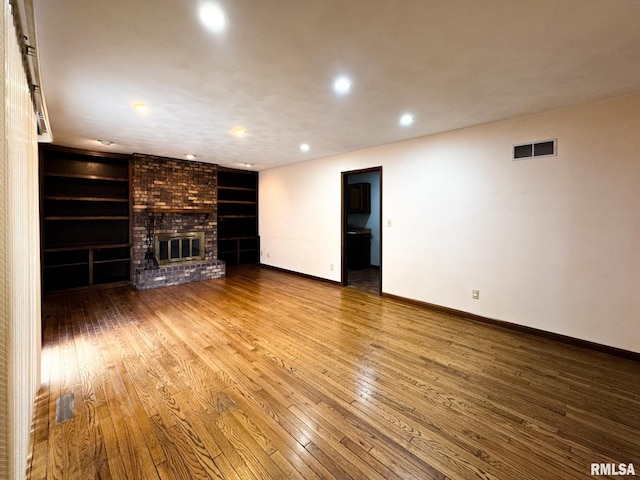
column 174, row 199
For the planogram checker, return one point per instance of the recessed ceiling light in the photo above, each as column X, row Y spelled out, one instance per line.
column 248, row 165
column 304, row 147
column 140, row 108
column 105, row 142
column 190, row 156
column 239, row 132
column 342, row 85
column 213, row 17
column 406, row 119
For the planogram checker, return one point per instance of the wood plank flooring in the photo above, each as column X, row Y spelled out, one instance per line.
column 266, row 375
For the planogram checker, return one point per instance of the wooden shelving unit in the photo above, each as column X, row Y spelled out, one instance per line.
column 85, row 218
column 238, row 240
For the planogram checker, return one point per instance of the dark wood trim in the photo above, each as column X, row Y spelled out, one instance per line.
column 132, row 266
column 93, row 153
column 91, row 266
column 576, row 342
column 362, row 170
column 237, row 170
column 381, row 234
column 298, row 274
column 343, row 228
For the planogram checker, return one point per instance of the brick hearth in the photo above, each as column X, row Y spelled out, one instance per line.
column 186, row 272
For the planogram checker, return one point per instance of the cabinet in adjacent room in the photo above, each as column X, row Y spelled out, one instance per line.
column 238, row 240
column 85, row 218
column 359, row 200
column 358, row 249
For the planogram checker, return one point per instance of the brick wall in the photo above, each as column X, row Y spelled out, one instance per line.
column 170, row 183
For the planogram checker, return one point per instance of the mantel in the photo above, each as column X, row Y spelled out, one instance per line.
column 206, row 211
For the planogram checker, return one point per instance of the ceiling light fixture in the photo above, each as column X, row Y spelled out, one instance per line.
column 213, row 17
column 190, row 156
column 304, row 147
column 248, row 165
column 239, row 132
column 105, row 142
column 342, row 85
column 406, row 120
column 140, row 108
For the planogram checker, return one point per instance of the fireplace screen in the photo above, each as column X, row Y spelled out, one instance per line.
column 179, row 247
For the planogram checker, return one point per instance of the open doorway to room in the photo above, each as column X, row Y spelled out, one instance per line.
column 362, row 229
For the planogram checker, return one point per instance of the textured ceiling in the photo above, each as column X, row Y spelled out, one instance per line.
column 452, row 63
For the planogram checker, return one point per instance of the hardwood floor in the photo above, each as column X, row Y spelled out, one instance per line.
column 264, row 375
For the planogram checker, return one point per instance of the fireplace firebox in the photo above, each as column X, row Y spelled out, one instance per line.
column 171, row 248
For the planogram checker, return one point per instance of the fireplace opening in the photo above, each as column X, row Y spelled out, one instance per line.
column 179, row 247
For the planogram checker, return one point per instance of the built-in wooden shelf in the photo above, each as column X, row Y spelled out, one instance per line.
column 85, row 177
column 85, row 218
column 64, row 265
column 95, row 217
column 238, row 240
column 111, row 261
column 86, row 199
column 84, row 246
column 243, row 189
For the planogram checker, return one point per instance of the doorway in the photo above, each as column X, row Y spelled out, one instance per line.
column 362, row 229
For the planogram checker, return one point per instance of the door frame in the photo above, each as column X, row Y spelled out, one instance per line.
column 344, row 221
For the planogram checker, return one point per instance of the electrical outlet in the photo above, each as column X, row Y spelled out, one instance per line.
column 388, row 223
column 331, row 267
column 475, row 294
column 260, row 252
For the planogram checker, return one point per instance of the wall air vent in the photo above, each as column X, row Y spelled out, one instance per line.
column 546, row 148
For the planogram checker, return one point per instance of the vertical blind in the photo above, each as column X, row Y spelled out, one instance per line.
column 19, row 256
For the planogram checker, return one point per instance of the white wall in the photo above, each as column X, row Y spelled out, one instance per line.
column 551, row 243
